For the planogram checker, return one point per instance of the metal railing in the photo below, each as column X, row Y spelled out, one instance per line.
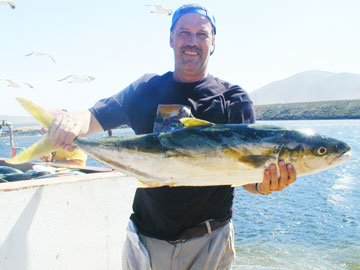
column 11, row 135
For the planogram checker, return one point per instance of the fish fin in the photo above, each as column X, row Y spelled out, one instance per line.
column 193, row 122
column 44, row 146
column 142, row 184
column 37, row 150
column 256, row 161
column 42, row 116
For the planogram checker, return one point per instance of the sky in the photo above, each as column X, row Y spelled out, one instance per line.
column 257, row 42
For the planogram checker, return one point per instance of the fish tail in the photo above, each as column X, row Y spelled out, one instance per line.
column 44, row 117
column 44, row 146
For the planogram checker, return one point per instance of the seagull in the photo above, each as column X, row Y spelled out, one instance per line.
column 13, row 84
column 28, row 84
column 7, row 3
column 77, row 78
column 42, row 54
column 161, row 10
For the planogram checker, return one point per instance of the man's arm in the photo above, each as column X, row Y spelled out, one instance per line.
column 66, row 127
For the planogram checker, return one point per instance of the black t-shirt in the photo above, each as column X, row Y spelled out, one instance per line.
column 149, row 104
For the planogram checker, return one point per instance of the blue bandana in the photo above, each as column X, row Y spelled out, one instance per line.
column 193, row 8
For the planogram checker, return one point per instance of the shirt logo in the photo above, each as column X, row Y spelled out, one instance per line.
column 167, row 117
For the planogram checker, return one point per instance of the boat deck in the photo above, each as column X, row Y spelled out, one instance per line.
column 67, row 222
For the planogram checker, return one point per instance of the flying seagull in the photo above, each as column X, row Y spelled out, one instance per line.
column 13, row 84
column 42, row 54
column 161, row 10
column 7, row 3
column 77, row 78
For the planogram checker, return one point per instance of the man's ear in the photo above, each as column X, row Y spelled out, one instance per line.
column 213, row 45
column 171, row 40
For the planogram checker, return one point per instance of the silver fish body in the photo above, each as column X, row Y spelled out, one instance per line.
column 229, row 154
column 202, row 153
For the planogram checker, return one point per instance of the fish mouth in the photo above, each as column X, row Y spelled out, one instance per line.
column 340, row 158
column 345, row 155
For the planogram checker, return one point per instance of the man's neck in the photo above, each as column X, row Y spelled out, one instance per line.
column 188, row 78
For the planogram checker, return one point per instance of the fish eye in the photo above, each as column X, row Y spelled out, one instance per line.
column 321, row 151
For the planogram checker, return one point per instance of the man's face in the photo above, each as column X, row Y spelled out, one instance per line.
column 192, row 40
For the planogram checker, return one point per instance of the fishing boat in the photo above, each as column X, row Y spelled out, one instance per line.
column 72, row 221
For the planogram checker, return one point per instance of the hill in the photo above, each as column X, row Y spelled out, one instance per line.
column 339, row 109
column 309, row 86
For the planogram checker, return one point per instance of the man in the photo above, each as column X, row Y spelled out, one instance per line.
column 179, row 227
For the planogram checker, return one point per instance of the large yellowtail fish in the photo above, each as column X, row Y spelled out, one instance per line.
column 202, row 153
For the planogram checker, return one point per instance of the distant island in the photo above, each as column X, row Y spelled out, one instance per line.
column 23, row 131
column 19, row 120
column 338, row 109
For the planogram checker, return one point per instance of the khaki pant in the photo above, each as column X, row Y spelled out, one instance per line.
column 213, row 251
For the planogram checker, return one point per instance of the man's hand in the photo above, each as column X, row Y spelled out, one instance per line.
column 67, row 126
column 64, row 129
column 272, row 182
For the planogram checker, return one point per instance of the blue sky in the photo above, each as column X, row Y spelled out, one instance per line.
column 257, row 42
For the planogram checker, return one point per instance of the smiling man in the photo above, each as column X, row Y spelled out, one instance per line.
column 193, row 39
column 177, row 227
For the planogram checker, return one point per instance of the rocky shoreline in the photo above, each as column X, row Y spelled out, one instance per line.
column 322, row 110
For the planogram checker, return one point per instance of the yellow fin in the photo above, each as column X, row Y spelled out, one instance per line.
column 43, row 117
column 142, row 184
column 42, row 147
column 193, row 122
column 37, row 150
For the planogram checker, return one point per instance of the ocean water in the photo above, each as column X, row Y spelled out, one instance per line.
column 314, row 224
